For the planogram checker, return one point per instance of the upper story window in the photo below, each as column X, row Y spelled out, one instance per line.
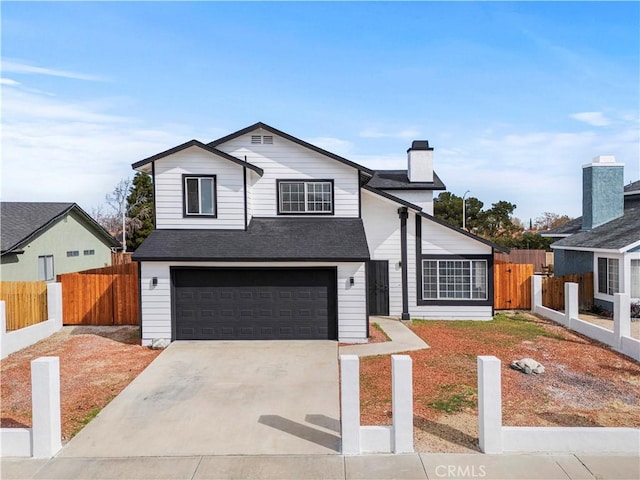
column 73, row 253
column 454, row 279
column 302, row 197
column 90, row 252
column 608, row 275
column 199, row 195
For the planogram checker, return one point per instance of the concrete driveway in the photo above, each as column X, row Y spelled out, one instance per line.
column 223, row 398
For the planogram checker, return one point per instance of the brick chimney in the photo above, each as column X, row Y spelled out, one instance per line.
column 602, row 191
column 420, row 160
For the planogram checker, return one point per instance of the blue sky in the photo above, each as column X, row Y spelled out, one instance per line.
column 514, row 97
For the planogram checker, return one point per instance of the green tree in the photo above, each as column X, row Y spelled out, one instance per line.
column 139, row 210
column 497, row 223
column 448, row 207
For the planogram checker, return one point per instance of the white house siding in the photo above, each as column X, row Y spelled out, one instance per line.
column 287, row 160
column 382, row 229
column 169, row 190
column 422, row 198
column 156, row 301
column 437, row 239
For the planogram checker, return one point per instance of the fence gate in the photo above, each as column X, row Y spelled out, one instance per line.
column 102, row 296
column 512, row 286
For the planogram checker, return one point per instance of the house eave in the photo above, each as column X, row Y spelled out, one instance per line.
column 293, row 139
column 589, row 249
column 194, row 143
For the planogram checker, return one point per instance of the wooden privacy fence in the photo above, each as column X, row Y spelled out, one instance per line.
column 553, row 290
column 25, row 303
column 512, row 286
column 538, row 258
column 101, row 296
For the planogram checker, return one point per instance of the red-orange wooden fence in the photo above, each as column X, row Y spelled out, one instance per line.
column 553, row 290
column 101, row 296
column 512, row 286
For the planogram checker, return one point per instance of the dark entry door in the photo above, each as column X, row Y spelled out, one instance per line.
column 378, row 279
column 255, row 304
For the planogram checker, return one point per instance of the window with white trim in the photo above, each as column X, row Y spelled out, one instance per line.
column 454, row 279
column 200, row 195
column 302, row 197
column 635, row 278
column 608, row 275
column 45, row 268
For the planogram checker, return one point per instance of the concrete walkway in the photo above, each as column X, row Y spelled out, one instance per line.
column 369, row 467
column 402, row 340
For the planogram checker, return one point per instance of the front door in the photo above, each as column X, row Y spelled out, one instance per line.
column 378, row 278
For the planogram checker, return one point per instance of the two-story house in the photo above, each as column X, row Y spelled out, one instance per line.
column 261, row 235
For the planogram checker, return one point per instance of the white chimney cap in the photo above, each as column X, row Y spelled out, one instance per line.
column 603, row 161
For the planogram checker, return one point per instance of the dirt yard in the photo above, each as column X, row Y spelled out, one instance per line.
column 585, row 383
column 96, row 363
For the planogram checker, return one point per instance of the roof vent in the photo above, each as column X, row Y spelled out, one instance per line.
column 262, row 139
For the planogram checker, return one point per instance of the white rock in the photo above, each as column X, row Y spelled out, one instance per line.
column 159, row 343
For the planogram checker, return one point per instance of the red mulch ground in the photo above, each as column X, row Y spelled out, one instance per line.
column 585, row 383
column 96, row 364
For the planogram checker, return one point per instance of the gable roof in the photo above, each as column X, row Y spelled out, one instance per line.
column 293, row 139
column 633, row 188
column 621, row 234
column 399, row 180
column 197, row 143
column 266, row 239
column 22, row 221
column 418, row 211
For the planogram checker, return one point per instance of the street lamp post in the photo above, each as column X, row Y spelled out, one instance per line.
column 464, row 213
column 124, row 229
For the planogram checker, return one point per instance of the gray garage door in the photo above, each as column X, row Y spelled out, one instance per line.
column 254, row 304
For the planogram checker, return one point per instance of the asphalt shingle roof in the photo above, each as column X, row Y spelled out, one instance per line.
column 19, row 221
column 614, row 235
column 398, row 180
column 632, row 187
column 294, row 239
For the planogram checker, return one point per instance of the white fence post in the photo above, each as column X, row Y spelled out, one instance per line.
column 489, row 404
column 45, row 401
column 536, row 292
column 571, row 305
column 402, row 403
column 54, row 301
column 350, row 403
column 621, row 318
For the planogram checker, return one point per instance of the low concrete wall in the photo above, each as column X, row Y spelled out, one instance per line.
column 397, row 438
column 44, row 439
column 18, row 339
column 598, row 440
column 619, row 339
column 495, row 438
column 591, row 330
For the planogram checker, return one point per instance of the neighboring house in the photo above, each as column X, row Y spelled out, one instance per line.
column 41, row 240
column 606, row 238
column 261, row 235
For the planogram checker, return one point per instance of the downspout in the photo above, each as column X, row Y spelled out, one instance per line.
column 403, row 214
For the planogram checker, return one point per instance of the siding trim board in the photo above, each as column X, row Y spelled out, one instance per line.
column 153, row 193
column 404, row 258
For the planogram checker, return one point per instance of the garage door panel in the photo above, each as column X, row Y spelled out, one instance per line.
column 255, row 304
